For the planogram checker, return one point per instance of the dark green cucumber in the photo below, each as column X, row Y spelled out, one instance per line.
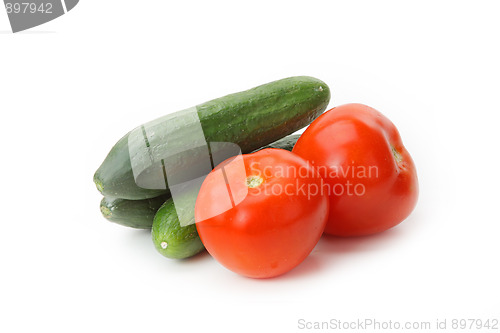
column 249, row 119
column 132, row 213
column 170, row 238
column 286, row 143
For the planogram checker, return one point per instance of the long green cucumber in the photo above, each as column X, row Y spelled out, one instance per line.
column 132, row 213
column 179, row 242
column 142, row 164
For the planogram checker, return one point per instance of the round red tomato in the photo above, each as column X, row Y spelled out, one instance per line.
column 261, row 214
column 368, row 173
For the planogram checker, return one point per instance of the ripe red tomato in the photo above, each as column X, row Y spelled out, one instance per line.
column 261, row 214
column 370, row 176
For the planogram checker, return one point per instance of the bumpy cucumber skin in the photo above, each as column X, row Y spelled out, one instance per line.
column 137, row 214
column 250, row 119
column 178, row 242
column 262, row 115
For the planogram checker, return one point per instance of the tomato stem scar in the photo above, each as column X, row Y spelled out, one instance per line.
column 397, row 155
column 254, row 181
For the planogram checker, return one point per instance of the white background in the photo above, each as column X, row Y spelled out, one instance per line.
column 71, row 88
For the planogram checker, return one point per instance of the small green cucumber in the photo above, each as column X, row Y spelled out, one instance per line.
column 135, row 168
column 132, row 213
column 170, row 238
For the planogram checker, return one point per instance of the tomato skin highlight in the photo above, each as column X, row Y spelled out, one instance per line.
column 354, row 147
column 263, row 232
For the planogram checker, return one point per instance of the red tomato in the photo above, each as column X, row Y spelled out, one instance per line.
column 369, row 175
column 257, row 217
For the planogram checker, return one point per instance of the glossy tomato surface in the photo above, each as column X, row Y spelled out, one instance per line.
column 370, row 176
column 257, row 216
